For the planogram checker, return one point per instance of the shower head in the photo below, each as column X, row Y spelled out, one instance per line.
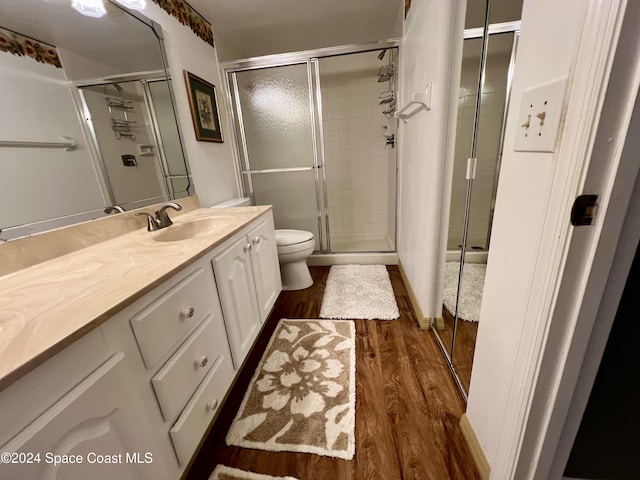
column 381, row 54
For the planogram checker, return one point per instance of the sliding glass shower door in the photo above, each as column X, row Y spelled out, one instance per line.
column 279, row 154
column 317, row 142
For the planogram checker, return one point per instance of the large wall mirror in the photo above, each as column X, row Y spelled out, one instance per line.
column 88, row 117
column 491, row 35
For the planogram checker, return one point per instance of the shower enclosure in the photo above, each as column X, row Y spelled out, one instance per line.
column 487, row 65
column 316, row 134
column 135, row 134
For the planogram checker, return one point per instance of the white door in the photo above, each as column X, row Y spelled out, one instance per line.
column 234, row 278
column 266, row 269
column 97, row 430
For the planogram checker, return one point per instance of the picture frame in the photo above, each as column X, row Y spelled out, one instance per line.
column 204, row 109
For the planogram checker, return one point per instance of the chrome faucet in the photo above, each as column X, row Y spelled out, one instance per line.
column 162, row 215
column 114, row 209
column 161, row 219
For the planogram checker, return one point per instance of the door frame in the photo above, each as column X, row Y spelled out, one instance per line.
column 555, row 370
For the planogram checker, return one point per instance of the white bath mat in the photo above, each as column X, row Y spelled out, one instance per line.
column 359, row 292
column 302, row 397
column 223, row 472
column 471, row 292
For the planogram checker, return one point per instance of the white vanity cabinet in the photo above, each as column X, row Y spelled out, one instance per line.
column 248, row 279
column 176, row 339
column 135, row 397
column 266, row 269
column 91, row 432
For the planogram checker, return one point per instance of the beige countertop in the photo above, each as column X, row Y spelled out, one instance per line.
column 46, row 307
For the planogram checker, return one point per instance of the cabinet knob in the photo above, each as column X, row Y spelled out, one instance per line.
column 202, row 361
column 256, row 240
column 247, row 247
column 187, row 312
column 212, row 405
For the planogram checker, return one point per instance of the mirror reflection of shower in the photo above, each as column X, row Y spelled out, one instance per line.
column 136, row 137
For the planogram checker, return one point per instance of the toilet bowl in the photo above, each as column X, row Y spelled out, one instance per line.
column 294, row 247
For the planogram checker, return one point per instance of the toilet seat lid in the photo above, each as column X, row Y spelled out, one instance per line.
column 291, row 237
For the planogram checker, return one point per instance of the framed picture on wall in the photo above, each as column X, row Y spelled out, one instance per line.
column 204, row 108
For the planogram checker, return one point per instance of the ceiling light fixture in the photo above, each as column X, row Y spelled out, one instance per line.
column 90, row 8
column 133, row 4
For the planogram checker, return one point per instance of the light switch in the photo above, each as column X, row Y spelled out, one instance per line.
column 539, row 119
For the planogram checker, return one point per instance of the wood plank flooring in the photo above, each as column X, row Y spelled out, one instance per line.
column 466, row 334
column 407, row 405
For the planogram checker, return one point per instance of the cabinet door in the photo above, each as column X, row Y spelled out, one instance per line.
column 95, row 431
column 266, row 269
column 236, row 288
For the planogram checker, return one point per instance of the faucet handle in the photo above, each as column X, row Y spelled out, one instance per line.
column 152, row 223
column 163, row 216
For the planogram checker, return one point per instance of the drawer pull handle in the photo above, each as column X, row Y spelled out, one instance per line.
column 212, row 405
column 256, row 240
column 247, row 247
column 188, row 312
column 202, row 361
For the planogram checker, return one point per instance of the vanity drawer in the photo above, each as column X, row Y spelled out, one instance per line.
column 178, row 378
column 187, row 432
column 165, row 322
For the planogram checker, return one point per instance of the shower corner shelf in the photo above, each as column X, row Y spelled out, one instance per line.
column 419, row 101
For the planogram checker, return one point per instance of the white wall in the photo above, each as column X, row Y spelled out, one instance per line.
column 432, row 41
column 546, row 50
column 38, row 184
column 212, row 164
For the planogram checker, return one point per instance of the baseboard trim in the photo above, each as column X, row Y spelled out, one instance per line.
column 479, row 458
column 439, row 323
column 423, row 322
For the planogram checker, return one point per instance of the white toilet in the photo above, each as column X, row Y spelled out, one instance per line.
column 294, row 247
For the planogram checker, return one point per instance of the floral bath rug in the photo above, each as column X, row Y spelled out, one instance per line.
column 223, row 472
column 302, row 396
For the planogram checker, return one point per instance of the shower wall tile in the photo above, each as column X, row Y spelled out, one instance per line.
column 356, row 161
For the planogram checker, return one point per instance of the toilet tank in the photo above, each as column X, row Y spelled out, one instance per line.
column 234, row 202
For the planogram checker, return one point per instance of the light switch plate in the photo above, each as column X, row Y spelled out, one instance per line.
column 539, row 119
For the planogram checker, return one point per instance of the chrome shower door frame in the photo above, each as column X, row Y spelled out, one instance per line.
column 310, row 58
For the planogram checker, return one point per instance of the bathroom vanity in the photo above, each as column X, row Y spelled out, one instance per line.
column 115, row 359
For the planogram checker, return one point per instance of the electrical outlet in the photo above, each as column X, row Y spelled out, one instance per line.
column 539, row 118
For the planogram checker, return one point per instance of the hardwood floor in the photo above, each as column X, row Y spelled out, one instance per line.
column 465, row 345
column 407, row 405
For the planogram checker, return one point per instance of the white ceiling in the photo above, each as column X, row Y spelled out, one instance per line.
column 250, row 28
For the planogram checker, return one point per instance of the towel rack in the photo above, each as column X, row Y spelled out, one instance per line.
column 421, row 100
column 65, row 142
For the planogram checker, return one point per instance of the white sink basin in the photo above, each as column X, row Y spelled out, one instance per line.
column 192, row 229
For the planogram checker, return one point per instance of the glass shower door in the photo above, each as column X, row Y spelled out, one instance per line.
column 274, row 115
